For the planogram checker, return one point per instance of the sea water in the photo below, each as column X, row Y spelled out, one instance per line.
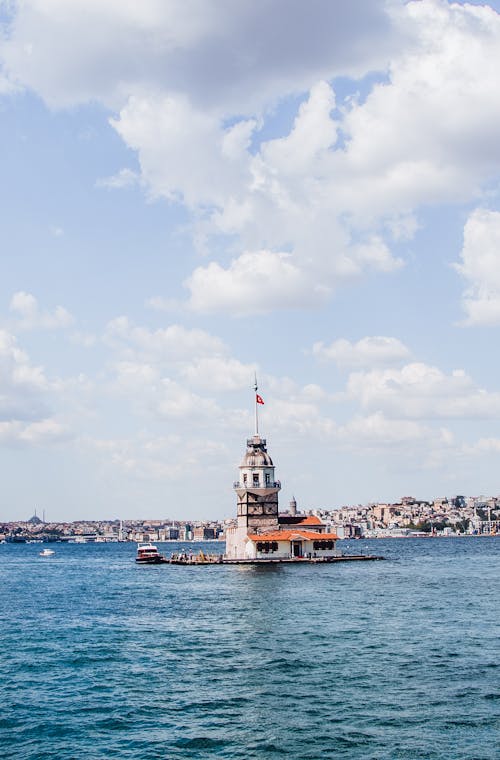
column 101, row 658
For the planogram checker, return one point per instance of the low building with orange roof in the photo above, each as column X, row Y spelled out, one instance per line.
column 291, row 543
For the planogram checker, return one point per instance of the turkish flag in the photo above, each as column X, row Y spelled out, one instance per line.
column 259, row 399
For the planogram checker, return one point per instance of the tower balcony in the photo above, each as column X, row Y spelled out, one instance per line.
column 256, row 486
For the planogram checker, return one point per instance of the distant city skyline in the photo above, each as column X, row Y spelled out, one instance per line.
column 194, row 192
column 408, row 517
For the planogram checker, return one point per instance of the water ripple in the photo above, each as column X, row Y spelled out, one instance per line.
column 391, row 661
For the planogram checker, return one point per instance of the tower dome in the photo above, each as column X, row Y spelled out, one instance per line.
column 256, row 454
column 256, row 468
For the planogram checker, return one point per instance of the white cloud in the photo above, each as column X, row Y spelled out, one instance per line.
column 367, row 352
column 374, row 254
column 313, row 133
column 218, row 374
column 41, row 432
column 161, row 370
column 480, row 267
column 402, row 226
column 177, row 401
column 24, row 393
column 184, row 153
column 204, row 47
column 485, row 446
column 330, row 201
column 164, row 458
column 337, row 188
column 87, row 340
column 172, row 343
column 420, row 391
column 122, row 179
column 378, row 432
column 188, row 151
column 284, row 198
column 7, row 87
column 434, row 122
column 31, row 317
column 259, row 281
column 404, row 445
column 158, row 303
column 22, row 385
column 136, row 378
column 189, row 378
column 314, row 392
column 149, row 391
column 301, row 416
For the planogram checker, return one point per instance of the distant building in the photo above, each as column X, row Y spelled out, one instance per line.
column 384, row 512
column 172, row 533
column 204, row 534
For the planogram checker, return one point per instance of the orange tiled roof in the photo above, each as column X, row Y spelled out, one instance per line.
column 292, row 535
column 310, row 520
column 285, row 519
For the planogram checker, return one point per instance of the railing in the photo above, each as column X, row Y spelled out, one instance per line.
column 251, row 485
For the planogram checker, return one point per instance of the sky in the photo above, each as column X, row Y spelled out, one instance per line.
column 194, row 191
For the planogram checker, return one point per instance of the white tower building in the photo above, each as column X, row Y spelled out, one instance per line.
column 260, row 533
column 257, row 488
column 257, row 493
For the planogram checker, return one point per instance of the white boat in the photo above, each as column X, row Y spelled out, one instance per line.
column 47, row 553
column 148, row 554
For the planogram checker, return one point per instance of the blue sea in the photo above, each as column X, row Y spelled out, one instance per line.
column 101, row 658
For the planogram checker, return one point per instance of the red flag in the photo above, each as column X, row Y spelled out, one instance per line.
column 259, row 399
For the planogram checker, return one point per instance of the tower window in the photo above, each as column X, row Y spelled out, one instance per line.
column 268, row 479
column 256, row 478
column 244, row 478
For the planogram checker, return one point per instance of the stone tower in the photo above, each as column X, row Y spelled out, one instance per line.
column 257, row 489
column 257, row 493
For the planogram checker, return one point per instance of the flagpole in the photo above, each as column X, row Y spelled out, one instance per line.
column 256, row 388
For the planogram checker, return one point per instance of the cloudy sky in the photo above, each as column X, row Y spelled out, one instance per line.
column 194, row 190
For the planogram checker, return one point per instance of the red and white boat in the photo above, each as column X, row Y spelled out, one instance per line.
column 148, row 554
